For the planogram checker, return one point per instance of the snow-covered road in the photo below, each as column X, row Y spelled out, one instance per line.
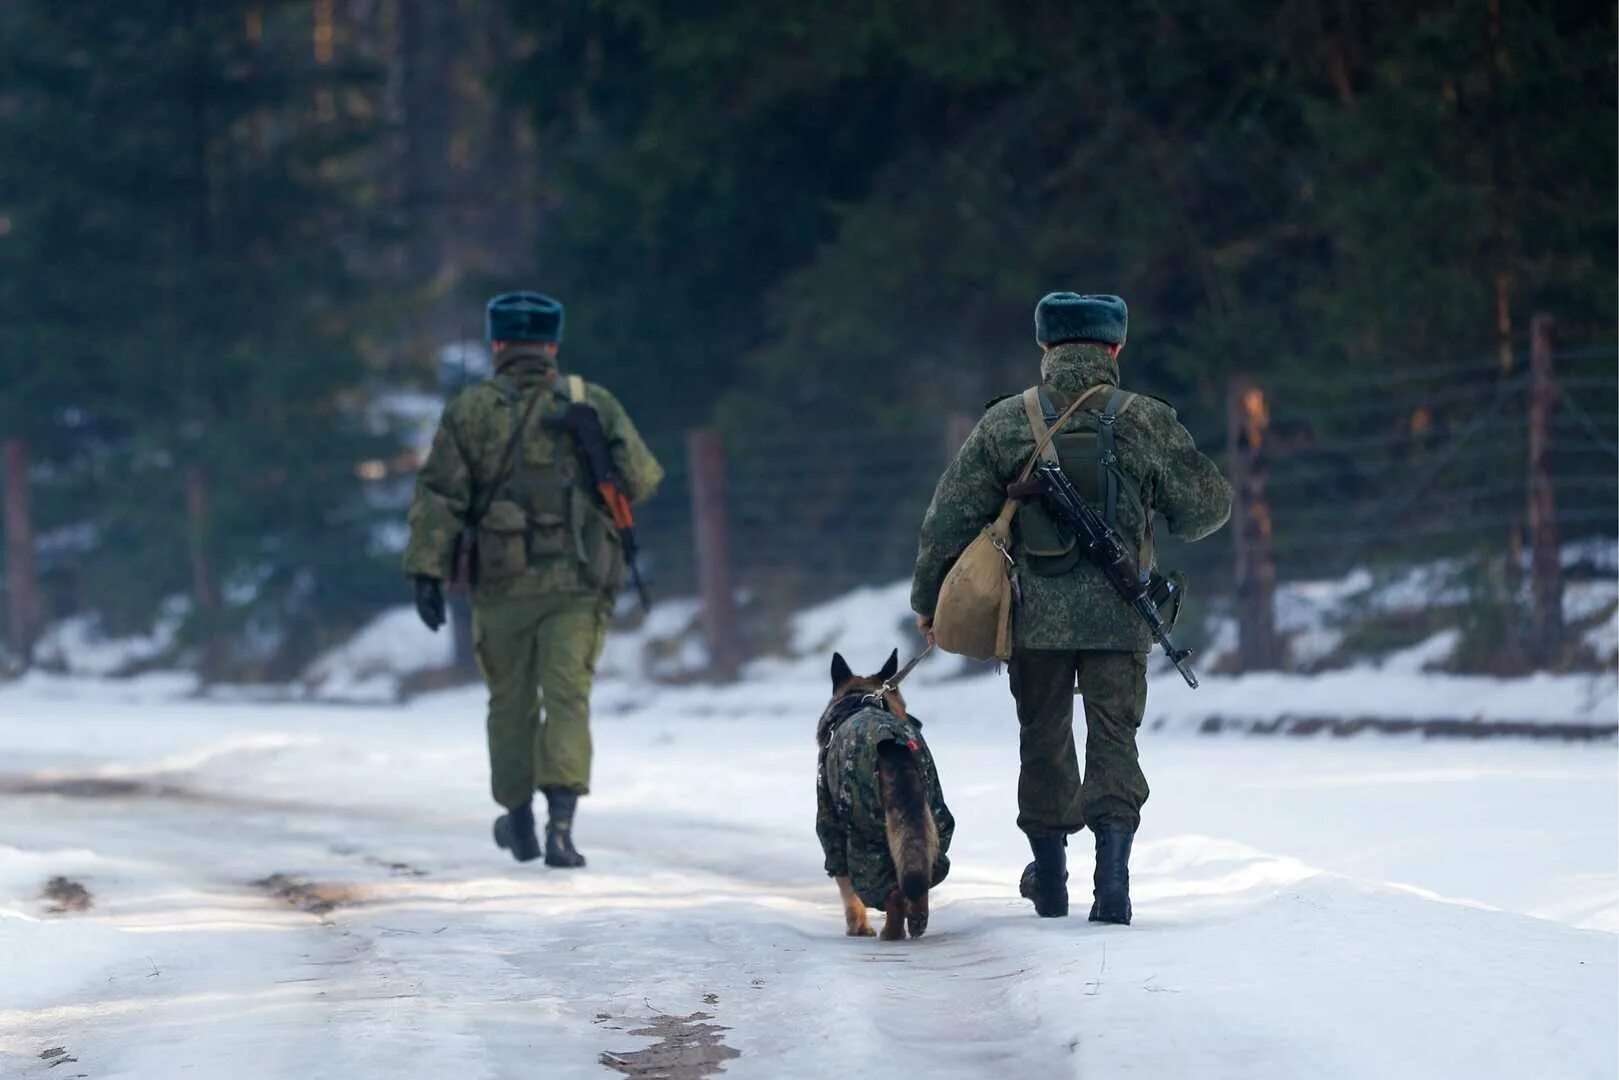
column 309, row 891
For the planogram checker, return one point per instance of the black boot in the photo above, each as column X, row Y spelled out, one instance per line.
column 514, row 831
column 559, row 849
column 1112, row 903
column 1045, row 881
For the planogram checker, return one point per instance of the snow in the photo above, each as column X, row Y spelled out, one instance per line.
column 284, row 883
column 1386, row 907
column 370, row 666
column 79, row 646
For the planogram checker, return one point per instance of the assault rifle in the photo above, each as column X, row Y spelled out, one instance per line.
column 583, row 423
column 1102, row 546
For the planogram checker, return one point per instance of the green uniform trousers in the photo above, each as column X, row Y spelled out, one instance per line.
column 538, row 654
column 1052, row 799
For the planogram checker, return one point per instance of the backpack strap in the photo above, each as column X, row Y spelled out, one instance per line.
column 576, row 389
column 1044, row 433
column 1107, row 456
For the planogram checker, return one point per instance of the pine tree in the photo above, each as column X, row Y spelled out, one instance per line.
column 185, row 205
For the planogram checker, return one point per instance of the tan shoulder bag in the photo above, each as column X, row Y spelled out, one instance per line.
column 974, row 615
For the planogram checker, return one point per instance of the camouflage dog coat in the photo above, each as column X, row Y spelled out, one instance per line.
column 849, row 808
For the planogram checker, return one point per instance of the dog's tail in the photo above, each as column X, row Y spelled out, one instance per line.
column 913, row 838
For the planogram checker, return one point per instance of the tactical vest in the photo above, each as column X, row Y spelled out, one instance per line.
column 542, row 511
column 1087, row 449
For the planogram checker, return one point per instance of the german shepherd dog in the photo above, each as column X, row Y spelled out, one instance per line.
column 902, row 797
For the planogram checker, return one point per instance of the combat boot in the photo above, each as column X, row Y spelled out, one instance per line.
column 1112, row 903
column 514, row 831
column 559, row 849
column 1045, row 880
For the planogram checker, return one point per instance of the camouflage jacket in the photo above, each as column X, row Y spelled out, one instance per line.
column 848, row 806
column 466, row 457
column 1078, row 609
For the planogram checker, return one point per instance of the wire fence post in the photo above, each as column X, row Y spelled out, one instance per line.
column 1545, row 557
column 705, row 454
column 1247, row 427
column 204, row 587
column 22, row 582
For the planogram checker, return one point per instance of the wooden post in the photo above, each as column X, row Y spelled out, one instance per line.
column 203, row 591
column 1247, row 427
column 705, row 452
column 1545, row 556
column 22, row 582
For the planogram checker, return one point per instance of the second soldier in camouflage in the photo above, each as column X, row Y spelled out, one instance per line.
column 548, row 565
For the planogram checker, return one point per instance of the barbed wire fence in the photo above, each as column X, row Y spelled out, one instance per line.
column 1428, row 466
column 1424, row 467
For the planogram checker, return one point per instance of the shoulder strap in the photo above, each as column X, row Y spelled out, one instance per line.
column 576, row 389
column 1039, row 426
column 1044, row 434
column 1107, row 456
column 508, row 455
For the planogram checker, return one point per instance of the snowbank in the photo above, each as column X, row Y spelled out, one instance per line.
column 371, row 666
column 79, row 646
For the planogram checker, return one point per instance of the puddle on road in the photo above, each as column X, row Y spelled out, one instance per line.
column 315, row 898
column 91, row 787
column 58, row 1055
column 63, row 895
column 688, row 1048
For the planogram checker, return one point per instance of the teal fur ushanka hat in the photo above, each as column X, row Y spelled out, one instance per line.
column 523, row 316
column 1066, row 316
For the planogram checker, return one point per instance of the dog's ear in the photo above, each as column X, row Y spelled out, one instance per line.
column 840, row 671
column 891, row 668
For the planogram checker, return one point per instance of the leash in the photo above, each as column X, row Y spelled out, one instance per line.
column 892, row 685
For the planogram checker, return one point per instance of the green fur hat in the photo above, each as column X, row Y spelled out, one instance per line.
column 523, row 316
column 1066, row 316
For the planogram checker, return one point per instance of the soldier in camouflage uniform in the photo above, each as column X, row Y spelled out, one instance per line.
column 548, row 563
column 1071, row 632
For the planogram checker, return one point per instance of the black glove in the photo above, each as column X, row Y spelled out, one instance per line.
column 430, row 602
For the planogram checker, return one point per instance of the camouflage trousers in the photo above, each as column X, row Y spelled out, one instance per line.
column 538, row 655
column 1052, row 798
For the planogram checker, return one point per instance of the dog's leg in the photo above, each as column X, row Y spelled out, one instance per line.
column 916, row 915
column 894, row 923
column 854, row 911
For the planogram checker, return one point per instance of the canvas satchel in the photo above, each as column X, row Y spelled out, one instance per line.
column 973, row 617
